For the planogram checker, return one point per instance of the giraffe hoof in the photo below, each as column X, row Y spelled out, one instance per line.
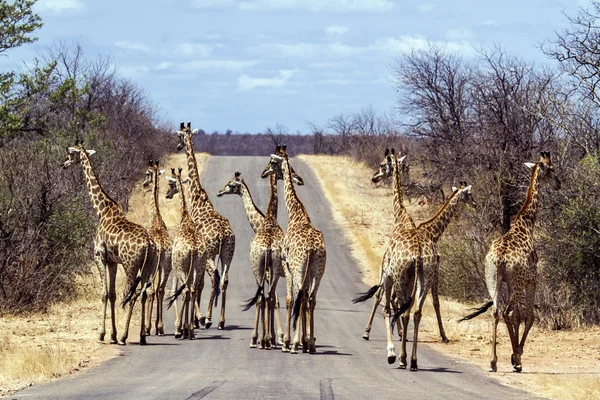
column 221, row 325
column 178, row 335
column 312, row 350
column 445, row 340
column 391, row 359
column 493, row 366
column 202, row 321
column 517, row 368
column 208, row 324
column 113, row 341
column 101, row 337
column 121, row 343
column 285, row 349
column 143, row 341
column 413, row 365
column 365, row 336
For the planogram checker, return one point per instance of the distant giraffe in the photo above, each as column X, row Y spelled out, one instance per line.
column 512, row 259
column 430, row 232
column 214, row 228
column 402, row 263
column 189, row 261
column 159, row 233
column 117, row 241
column 304, row 253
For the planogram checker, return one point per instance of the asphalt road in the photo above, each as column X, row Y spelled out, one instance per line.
column 220, row 364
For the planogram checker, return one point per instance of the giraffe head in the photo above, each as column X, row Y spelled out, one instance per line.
column 173, row 185
column 150, row 171
column 386, row 167
column 464, row 191
column 234, row 186
column 274, row 166
column 74, row 154
column 546, row 169
column 182, row 132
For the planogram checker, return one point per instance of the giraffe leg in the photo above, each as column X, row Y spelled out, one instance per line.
column 210, row 268
column 494, row 360
column 103, row 269
column 191, row 334
column 288, row 315
column 263, row 323
column 223, row 298
column 376, row 303
column 416, row 321
column 529, row 318
column 311, row 316
column 254, row 338
column 279, row 325
column 305, row 324
column 199, row 319
column 403, row 354
column 143, row 322
column 391, row 350
column 436, row 301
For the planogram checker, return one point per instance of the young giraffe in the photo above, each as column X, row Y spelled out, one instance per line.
column 430, row 232
column 512, row 259
column 265, row 257
column 305, row 257
column 402, row 263
column 117, row 241
column 212, row 226
column 159, row 233
column 189, row 261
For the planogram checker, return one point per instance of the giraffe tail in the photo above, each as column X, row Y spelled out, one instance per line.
column 175, row 295
column 250, row 302
column 301, row 294
column 366, row 295
column 131, row 291
column 405, row 306
column 217, row 285
column 478, row 311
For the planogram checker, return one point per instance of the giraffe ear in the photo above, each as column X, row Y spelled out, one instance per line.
column 186, row 180
column 90, row 152
column 71, row 150
column 529, row 165
column 468, row 188
column 195, row 131
column 170, row 179
column 161, row 172
column 387, row 151
column 401, row 159
column 454, row 189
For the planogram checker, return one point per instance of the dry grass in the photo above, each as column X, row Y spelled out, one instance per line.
column 557, row 364
column 42, row 346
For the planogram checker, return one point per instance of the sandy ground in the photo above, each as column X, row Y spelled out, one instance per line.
column 44, row 346
column 557, row 364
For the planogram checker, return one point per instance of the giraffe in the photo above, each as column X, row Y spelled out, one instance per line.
column 265, row 257
column 512, row 259
column 189, row 261
column 159, row 233
column 430, row 232
column 402, row 266
column 305, row 256
column 212, row 226
column 117, row 241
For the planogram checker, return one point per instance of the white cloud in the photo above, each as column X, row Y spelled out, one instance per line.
column 231, row 65
column 212, row 3
column 409, row 43
column 458, row 34
column 164, row 65
column 308, row 50
column 133, row 71
column 426, row 7
column 336, row 30
column 342, row 6
column 58, row 6
column 490, row 22
column 125, row 45
column 246, row 83
column 194, row 49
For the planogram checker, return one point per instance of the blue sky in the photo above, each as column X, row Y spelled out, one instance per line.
column 246, row 65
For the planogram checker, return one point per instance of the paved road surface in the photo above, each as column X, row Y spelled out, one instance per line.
column 220, row 364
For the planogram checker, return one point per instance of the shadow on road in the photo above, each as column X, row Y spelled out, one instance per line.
column 451, row 371
column 237, row 327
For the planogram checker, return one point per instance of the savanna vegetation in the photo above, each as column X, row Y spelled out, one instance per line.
column 46, row 222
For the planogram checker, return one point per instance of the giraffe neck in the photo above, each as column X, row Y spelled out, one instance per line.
column 199, row 205
column 157, row 221
column 400, row 214
column 527, row 214
column 186, row 222
column 435, row 227
column 272, row 209
column 101, row 201
column 296, row 211
column 255, row 216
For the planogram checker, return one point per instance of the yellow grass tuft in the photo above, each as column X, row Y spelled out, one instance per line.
column 557, row 364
